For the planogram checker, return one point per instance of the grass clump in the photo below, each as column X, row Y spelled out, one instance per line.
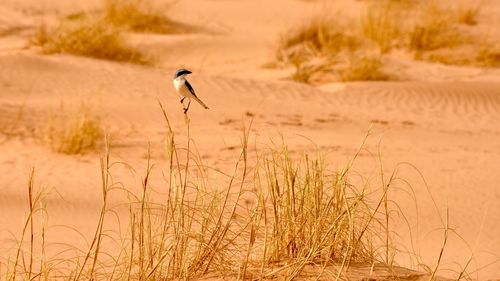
column 364, row 68
column 322, row 37
column 325, row 46
column 467, row 14
column 139, row 16
column 432, row 35
column 312, row 48
column 382, row 25
column 76, row 133
column 433, row 31
column 489, row 55
column 314, row 216
column 305, row 71
column 90, row 38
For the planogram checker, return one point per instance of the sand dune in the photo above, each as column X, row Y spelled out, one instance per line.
column 448, row 127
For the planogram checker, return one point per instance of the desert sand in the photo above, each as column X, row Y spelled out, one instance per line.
column 439, row 128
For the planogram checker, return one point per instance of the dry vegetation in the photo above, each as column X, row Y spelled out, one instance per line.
column 316, row 46
column 382, row 25
column 296, row 213
column 433, row 30
column 364, row 69
column 102, row 35
column 140, row 16
column 12, row 122
column 90, row 37
column 489, row 55
column 424, row 29
column 74, row 132
column 468, row 13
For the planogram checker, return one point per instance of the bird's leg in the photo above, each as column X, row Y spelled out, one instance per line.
column 182, row 100
column 187, row 108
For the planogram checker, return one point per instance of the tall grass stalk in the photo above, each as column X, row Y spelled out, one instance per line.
column 33, row 200
column 43, row 269
column 445, row 241
column 96, row 241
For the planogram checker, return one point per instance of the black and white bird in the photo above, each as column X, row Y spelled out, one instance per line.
column 184, row 89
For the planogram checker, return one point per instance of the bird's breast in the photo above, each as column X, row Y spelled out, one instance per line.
column 181, row 88
column 178, row 84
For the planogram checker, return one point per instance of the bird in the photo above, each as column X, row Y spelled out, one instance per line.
column 184, row 89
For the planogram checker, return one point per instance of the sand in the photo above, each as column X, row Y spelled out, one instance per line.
column 440, row 128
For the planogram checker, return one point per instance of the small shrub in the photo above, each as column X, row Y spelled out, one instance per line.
column 90, row 38
column 79, row 133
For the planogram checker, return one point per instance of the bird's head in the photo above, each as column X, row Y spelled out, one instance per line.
column 181, row 72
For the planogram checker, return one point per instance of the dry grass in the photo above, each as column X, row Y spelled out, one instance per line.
column 100, row 35
column 305, row 71
column 364, row 68
column 321, row 46
column 140, row 16
column 489, row 55
column 382, row 24
column 41, row 36
column 13, row 123
column 90, row 37
column 451, row 57
column 433, row 30
column 320, row 37
column 440, row 36
column 295, row 213
column 74, row 132
column 425, row 29
column 468, row 13
column 314, row 47
column 312, row 215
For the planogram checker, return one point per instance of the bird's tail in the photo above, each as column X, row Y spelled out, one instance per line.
column 200, row 102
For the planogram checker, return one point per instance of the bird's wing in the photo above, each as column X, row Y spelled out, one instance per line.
column 190, row 88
